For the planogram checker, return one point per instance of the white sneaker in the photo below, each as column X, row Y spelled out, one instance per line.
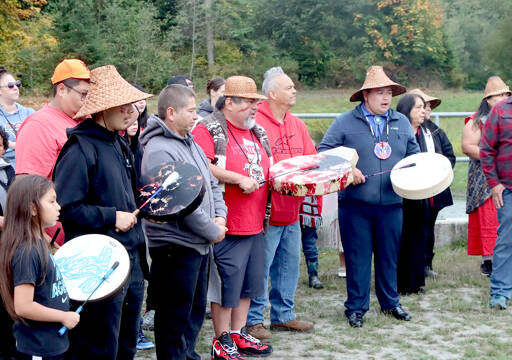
column 342, row 272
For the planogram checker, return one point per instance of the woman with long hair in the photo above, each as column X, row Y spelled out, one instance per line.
column 483, row 218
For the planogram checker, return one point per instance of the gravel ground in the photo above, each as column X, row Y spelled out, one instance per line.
column 451, row 321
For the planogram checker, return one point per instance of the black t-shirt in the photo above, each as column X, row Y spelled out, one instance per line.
column 38, row 337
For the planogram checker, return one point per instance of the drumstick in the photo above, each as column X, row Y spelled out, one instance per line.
column 316, row 166
column 114, row 266
column 168, row 181
column 55, row 236
column 386, row 171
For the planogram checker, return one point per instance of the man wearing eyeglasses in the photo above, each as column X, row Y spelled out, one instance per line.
column 43, row 133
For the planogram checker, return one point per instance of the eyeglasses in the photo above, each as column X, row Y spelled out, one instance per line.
column 11, row 84
column 83, row 94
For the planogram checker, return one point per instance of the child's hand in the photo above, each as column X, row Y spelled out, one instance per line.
column 70, row 320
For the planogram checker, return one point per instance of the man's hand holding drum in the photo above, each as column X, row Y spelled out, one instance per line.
column 248, row 184
column 358, row 177
column 125, row 221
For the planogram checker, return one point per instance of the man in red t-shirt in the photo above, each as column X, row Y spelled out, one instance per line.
column 288, row 138
column 43, row 134
column 240, row 157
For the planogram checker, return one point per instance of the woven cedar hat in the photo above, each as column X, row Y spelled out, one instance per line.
column 434, row 102
column 377, row 78
column 495, row 86
column 243, row 87
column 107, row 90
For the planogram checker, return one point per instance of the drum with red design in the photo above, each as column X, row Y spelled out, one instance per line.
column 318, row 174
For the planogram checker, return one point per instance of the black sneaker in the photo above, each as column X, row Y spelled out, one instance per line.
column 486, row 268
column 224, row 348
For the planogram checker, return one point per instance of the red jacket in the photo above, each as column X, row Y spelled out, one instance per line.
column 287, row 140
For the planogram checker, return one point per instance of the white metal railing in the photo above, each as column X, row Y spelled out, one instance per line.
column 435, row 115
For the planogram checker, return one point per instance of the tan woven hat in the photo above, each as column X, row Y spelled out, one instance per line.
column 243, row 87
column 377, row 78
column 495, row 86
column 434, row 102
column 107, row 90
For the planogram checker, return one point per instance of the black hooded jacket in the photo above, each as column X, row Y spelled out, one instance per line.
column 95, row 177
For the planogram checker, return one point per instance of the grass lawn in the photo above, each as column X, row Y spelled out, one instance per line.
column 451, row 320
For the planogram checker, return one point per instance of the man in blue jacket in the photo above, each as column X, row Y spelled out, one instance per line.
column 370, row 212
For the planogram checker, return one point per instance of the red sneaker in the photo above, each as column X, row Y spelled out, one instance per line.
column 250, row 346
column 223, row 348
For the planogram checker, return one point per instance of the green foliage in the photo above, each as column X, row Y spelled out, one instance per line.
column 320, row 43
column 406, row 36
column 470, row 29
column 498, row 49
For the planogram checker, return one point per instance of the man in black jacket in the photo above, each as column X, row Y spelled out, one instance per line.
column 94, row 179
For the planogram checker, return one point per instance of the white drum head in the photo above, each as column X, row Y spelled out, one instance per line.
column 432, row 174
column 83, row 261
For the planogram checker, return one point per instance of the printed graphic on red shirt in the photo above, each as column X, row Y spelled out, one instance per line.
column 287, row 145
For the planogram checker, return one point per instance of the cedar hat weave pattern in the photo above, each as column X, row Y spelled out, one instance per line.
column 495, row 86
column 243, row 87
column 107, row 90
column 377, row 78
column 434, row 102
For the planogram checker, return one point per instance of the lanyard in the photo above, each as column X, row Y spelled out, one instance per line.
column 375, row 138
column 258, row 159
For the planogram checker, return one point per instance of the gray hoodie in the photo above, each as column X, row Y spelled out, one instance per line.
column 196, row 230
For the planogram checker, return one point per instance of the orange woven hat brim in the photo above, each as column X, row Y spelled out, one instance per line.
column 107, row 90
column 242, row 87
column 377, row 78
column 434, row 102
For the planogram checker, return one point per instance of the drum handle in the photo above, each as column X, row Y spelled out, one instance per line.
column 316, row 166
column 57, row 232
column 114, row 266
column 386, row 171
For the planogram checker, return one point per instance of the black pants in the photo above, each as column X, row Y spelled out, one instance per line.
column 7, row 342
column 429, row 255
column 179, row 281
column 411, row 258
column 108, row 328
column 20, row 356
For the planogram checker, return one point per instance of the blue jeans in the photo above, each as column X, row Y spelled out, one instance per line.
column 309, row 248
column 282, row 259
column 501, row 278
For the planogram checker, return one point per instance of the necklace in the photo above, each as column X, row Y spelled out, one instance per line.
column 252, row 167
column 382, row 149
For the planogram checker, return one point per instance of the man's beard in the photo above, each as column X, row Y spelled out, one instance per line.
column 249, row 123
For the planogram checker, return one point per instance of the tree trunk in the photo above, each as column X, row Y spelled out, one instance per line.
column 193, row 39
column 209, row 35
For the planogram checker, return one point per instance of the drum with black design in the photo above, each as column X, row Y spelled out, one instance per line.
column 180, row 189
column 431, row 175
column 84, row 260
column 318, row 174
